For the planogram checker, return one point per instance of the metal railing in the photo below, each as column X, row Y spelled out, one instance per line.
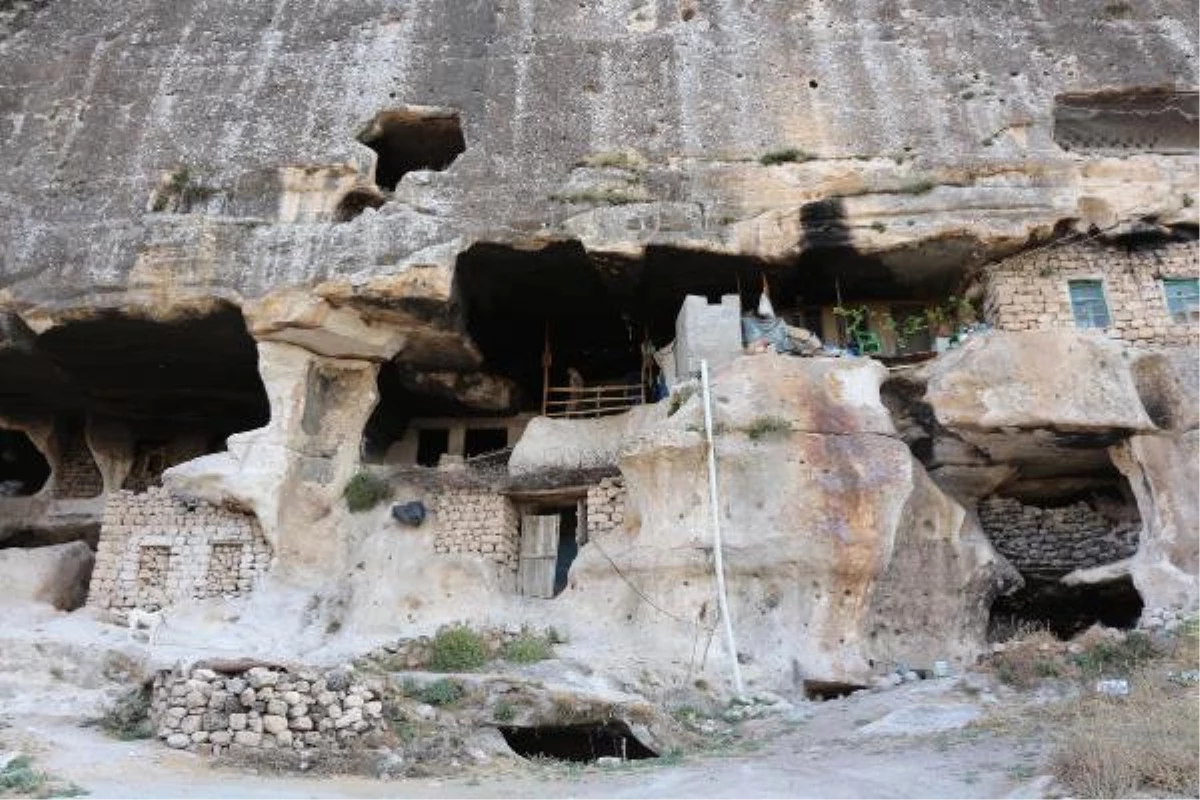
column 590, row 401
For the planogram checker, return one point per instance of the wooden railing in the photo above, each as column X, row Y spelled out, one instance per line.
column 590, row 401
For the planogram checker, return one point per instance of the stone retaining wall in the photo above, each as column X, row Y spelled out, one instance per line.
column 1055, row 539
column 158, row 550
column 77, row 474
column 606, row 506
column 1029, row 292
column 263, row 708
column 473, row 521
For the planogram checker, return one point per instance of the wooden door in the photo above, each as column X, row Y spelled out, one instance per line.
column 539, row 552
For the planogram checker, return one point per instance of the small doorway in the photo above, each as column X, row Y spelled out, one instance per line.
column 549, row 544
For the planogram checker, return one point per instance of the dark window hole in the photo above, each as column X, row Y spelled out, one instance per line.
column 431, row 444
column 410, row 139
column 577, row 742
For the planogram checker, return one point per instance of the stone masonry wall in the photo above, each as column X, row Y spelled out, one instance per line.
column 471, row 521
column 156, row 549
column 263, row 708
column 1055, row 539
column 605, row 506
column 77, row 474
column 1029, row 292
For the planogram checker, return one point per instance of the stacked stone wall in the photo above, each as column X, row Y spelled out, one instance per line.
column 1055, row 539
column 605, row 506
column 157, row 550
column 264, row 709
column 1029, row 292
column 472, row 521
column 77, row 475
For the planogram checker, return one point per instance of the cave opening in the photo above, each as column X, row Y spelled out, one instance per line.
column 356, row 201
column 408, row 139
column 580, row 743
column 1064, row 533
column 23, row 468
column 153, row 393
column 555, row 315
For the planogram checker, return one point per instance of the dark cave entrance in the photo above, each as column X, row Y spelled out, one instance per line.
column 158, row 393
column 356, row 201
column 582, row 743
column 409, row 139
column 1067, row 610
column 23, row 468
column 1058, row 516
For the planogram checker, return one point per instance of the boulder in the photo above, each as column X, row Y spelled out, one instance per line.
column 56, row 575
column 839, row 551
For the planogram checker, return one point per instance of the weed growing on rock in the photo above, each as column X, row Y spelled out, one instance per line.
column 364, row 491
column 527, row 649
column 504, row 711
column 762, row 427
column 790, row 155
column 442, row 692
column 457, row 649
column 128, row 718
column 1116, row 656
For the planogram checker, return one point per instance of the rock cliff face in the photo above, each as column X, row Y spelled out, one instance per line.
column 159, row 158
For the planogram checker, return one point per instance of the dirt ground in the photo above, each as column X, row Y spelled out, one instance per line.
column 904, row 742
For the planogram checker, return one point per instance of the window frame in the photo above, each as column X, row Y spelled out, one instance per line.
column 1075, row 316
column 1191, row 313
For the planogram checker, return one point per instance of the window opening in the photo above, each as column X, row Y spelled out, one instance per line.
column 481, row 441
column 1183, row 299
column 432, row 443
column 1088, row 304
column 411, row 139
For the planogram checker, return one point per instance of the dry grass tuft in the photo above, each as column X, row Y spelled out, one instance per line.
column 1120, row 746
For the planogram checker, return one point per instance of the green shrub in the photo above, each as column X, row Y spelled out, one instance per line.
column 128, row 718
column 762, row 427
column 442, row 692
column 457, row 649
column 19, row 777
column 364, row 491
column 786, row 156
column 528, row 648
column 680, row 397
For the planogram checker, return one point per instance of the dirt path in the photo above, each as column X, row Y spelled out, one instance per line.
column 832, row 753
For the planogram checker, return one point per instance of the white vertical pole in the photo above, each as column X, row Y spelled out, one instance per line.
column 714, row 508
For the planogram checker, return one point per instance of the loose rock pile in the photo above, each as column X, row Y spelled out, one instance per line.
column 1055, row 539
column 208, row 711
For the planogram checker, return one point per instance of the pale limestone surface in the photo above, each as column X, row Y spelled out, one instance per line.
column 56, row 575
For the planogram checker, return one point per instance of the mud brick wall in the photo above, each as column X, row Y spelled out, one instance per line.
column 1055, row 539
column 471, row 521
column 1029, row 292
column 262, row 708
column 606, row 506
column 155, row 549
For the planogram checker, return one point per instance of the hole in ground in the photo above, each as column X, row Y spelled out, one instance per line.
column 577, row 742
column 829, row 690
